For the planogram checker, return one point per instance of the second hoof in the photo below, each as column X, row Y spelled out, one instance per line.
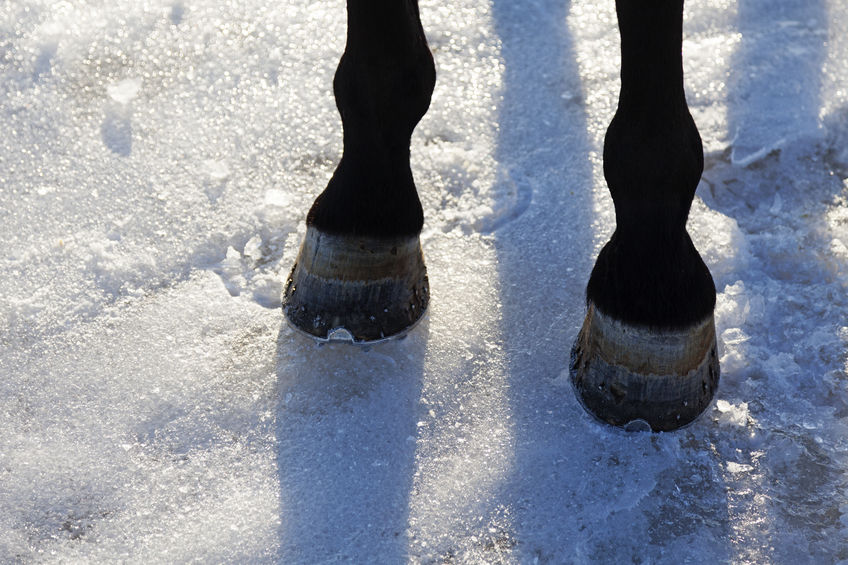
column 637, row 377
column 356, row 289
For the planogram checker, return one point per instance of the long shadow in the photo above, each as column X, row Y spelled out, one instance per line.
column 776, row 75
column 778, row 183
column 774, row 101
column 579, row 491
column 346, row 430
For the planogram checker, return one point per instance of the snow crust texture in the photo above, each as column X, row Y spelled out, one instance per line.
column 157, row 162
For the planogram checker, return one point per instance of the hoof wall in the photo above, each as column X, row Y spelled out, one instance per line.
column 640, row 378
column 356, row 289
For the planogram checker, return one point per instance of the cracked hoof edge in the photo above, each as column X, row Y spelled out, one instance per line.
column 356, row 289
column 640, row 378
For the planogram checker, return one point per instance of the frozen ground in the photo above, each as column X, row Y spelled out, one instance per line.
column 157, row 159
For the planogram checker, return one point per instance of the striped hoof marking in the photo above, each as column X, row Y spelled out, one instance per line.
column 638, row 377
column 356, row 289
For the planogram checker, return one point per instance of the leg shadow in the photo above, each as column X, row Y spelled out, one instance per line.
column 346, row 437
column 776, row 76
column 580, row 491
column 781, row 303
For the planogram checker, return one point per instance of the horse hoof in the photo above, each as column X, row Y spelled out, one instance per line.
column 638, row 378
column 356, row 289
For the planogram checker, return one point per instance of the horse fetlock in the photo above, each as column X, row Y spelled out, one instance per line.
column 392, row 95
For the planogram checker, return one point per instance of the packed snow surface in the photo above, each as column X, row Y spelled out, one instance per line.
column 157, row 160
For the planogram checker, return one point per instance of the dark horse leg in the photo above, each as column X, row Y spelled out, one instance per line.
column 360, row 273
column 646, row 351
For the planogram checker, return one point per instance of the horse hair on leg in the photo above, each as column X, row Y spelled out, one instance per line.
column 646, row 352
column 360, row 273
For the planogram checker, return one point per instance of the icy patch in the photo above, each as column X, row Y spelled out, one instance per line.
column 475, row 194
column 718, row 238
column 216, row 170
column 276, row 197
column 837, row 219
column 776, row 99
column 231, row 271
column 253, row 248
column 736, row 468
column 119, row 268
column 150, row 416
column 745, row 156
column 637, row 425
column 253, row 272
column 125, row 91
column 736, row 306
column 340, row 334
column 783, row 368
column 138, row 445
column 732, row 415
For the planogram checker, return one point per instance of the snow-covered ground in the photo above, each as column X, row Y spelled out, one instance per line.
column 157, row 159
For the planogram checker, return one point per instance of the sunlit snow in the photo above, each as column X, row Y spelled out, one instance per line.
column 156, row 164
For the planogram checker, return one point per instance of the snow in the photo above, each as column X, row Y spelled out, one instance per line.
column 157, row 163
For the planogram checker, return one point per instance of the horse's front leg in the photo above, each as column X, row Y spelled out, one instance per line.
column 360, row 273
column 646, row 351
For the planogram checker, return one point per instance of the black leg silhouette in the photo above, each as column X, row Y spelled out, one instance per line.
column 646, row 351
column 360, row 274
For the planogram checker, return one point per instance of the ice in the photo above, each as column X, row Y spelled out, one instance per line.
column 253, row 248
column 158, row 160
column 738, row 468
column 733, row 415
column 124, row 91
column 742, row 155
column 217, row 170
column 784, row 92
column 340, row 334
column 276, row 197
column 638, row 425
